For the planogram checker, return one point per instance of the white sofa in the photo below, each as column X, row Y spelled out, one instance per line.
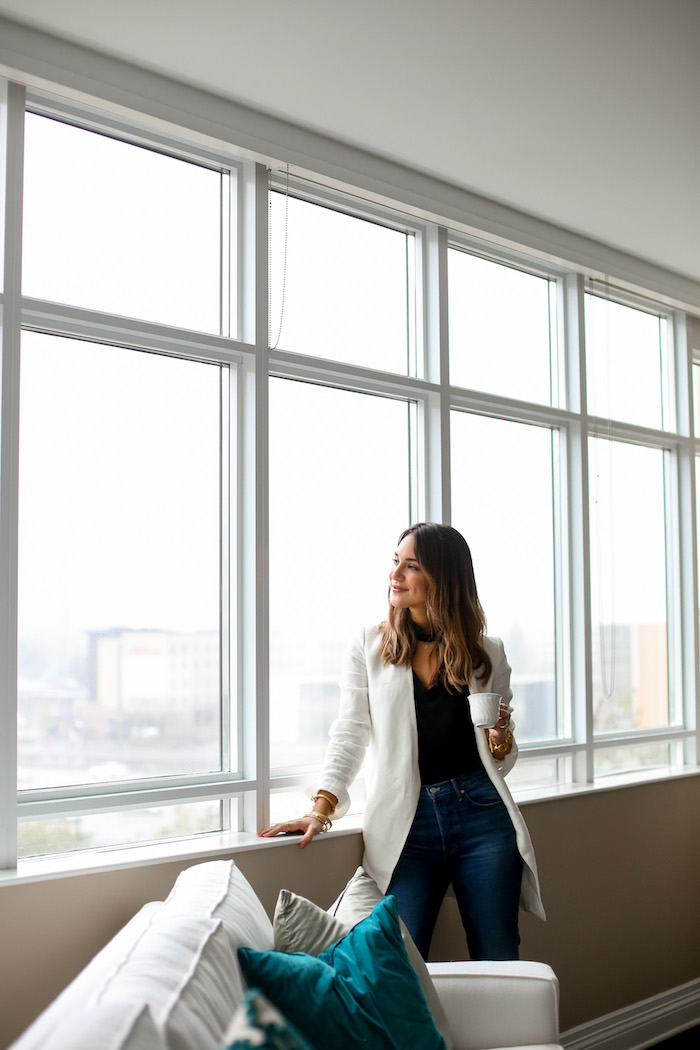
column 170, row 980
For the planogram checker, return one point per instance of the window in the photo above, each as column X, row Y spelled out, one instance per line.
column 205, row 505
column 502, row 329
column 341, row 287
column 503, row 502
column 115, row 227
column 336, row 511
column 126, row 684
column 119, row 567
column 624, row 342
column 633, row 531
column 629, row 587
column 696, row 398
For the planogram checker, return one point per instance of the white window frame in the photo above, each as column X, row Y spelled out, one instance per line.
column 251, row 363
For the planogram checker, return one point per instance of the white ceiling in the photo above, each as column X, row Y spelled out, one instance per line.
column 583, row 112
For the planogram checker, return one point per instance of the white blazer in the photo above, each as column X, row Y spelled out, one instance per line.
column 377, row 711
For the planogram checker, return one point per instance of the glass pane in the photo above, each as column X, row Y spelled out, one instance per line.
column 502, row 327
column 339, row 286
column 530, row 774
column 636, row 758
column 622, row 343
column 336, row 511
column 696, row 399
column 505, row 513
column 697, row 508
column 290, row 802
column 118, row 228
column 628, row 586
column 102, row 830
column 119, row 592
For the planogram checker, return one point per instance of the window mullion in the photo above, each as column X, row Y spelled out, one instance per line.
column 12, row 131
column 674, row 597
column 437, row 412
column 254, row 634
column 686, row 650
column 579, row 531
column 227, row 619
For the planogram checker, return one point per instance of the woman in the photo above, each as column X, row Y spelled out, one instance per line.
column 438, row 811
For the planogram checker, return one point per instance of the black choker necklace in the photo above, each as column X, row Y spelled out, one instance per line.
column 422, row 635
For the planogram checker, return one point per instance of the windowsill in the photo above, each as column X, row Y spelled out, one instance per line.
column 199, row 847
column 524, row 795
column 39, row 869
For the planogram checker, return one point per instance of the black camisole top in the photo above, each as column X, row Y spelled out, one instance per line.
column 446, row 740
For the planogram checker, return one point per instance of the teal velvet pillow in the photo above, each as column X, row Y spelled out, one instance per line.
column 257, row 1025
column 362, row 991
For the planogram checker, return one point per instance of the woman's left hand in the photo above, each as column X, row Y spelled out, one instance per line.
column 307, row 826
column 498, row 732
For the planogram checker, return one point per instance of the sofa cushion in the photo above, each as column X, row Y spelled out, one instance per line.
column 299, row 925
column 119, row 1026
column 257, row 1025
column 184, row 970
column 217, row 889
column 362, row 989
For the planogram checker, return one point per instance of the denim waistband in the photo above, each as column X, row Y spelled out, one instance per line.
column 456, row 784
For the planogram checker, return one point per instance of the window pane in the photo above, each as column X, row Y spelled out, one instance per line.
column 697, row 508
column 621, row 343
column 628, row 586
column 286, row 801
column 696, row 399
column 505, row 513
column 530, row 774
column 502, row 329
column 118, row 228
column 338, row 501
column 636, row 758
column 119, row 656
column 340, row 286
column 102, row 830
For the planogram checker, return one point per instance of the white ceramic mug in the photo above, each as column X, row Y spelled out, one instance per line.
column 484, row 708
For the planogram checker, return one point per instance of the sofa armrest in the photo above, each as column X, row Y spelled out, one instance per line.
column 498, row 1004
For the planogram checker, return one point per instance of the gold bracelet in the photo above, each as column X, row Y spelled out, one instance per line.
column 326, row 823
column 324, row 795
column 501, row 750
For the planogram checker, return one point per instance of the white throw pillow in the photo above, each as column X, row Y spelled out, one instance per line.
column 119, row 1026
column 217, row 889
column 185, row 971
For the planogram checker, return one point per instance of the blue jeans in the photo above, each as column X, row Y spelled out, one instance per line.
column 462, row 834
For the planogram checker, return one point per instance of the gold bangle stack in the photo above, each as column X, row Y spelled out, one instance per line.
column 501, row 750
column 326, row 796
column 326, row 822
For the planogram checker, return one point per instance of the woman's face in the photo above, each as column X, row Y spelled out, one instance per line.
column 408, row 584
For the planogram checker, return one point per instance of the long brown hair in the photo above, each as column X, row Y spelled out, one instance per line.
column 454, row 610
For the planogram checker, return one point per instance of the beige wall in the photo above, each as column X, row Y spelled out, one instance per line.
column 619, row 870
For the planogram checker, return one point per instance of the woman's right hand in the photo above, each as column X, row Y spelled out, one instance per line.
column 306, row 826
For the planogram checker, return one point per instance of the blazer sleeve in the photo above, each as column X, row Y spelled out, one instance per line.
column 350, row 732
